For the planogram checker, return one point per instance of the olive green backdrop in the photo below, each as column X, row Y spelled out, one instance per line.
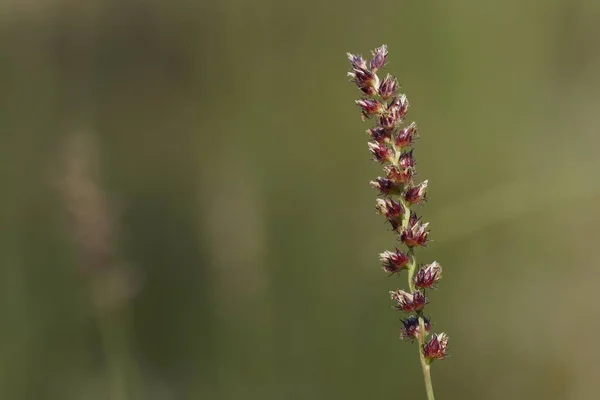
column 233, row 157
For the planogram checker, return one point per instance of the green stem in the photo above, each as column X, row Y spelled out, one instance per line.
column 115, row 345
column 114, row 324
column 427, row 376
column 424, row 363
column 412, row 267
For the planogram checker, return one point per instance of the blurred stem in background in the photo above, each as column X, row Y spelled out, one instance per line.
column 92, row 217
column 111, row 284
column 120, row 365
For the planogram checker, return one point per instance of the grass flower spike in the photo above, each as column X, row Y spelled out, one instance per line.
column 391, row 145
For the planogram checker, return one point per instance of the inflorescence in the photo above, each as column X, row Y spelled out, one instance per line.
column 390, row 143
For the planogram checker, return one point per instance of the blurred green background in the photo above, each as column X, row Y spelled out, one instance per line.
column 235, row 164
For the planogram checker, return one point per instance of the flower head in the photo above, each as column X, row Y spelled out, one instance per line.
column 357, row 61
column 388, row 87
column 406, row 160
column 416, row 233
column 416, row 194
column 406, row 136
column 394, row 113
column 386, row 186
column 399, row 107
column 379, row 57
column 410, row 327
column 428, row 276
column 389, row 121
column 379, row 134
column 370, row 107
column 436, row 348
column 398, row 174
column 366, row 80
column 394, row 261
column 409, row 302
column 381, row 152
column 391, row 210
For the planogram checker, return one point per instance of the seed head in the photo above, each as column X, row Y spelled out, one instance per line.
column 394, row 261
column 409, row 302
column 428, row 276
column 436, row 348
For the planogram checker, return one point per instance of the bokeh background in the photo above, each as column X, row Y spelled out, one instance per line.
column 185, row 210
